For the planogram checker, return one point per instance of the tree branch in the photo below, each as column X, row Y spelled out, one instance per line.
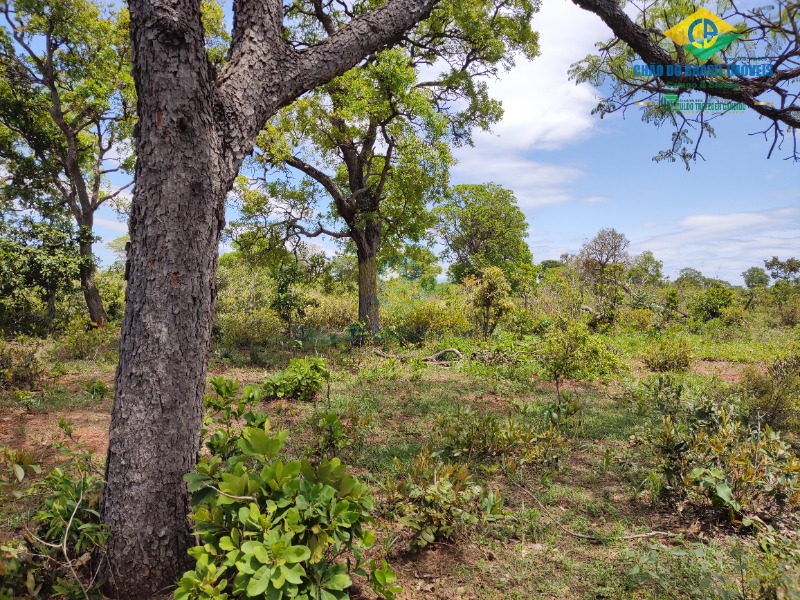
column 640, row 41
column 264, row 73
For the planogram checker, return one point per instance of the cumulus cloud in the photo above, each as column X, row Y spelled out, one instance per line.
column 543, row 111
column 723, row 245
column 535, row 184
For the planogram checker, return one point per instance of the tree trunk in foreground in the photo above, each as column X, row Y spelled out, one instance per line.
column 194, row 131
column 175, row 227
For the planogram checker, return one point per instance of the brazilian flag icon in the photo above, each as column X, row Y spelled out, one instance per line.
column 703, row 34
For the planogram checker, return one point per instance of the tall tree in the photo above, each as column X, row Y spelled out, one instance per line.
column 375, row 141
column 66, row 114
column 372, row 143
column 603, row 261
column 482, row 226
column 195, row 128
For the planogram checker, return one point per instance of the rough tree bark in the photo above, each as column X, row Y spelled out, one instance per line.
column 193, row 133
column 368, row 244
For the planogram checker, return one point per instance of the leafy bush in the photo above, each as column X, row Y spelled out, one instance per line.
column 636, row 319
column 471, row 436
column 337, row 432
column 243, row 317
column 357, row 334
column 426, row 319
column 706, row 453
column 436, row 499
column 268, row 528
column 668, row 353
column 97, row 390
column 83, row 341
column 570, row 351
column 331, row 312
column 710, row 303
column 67, row 543
column 734, row 316
column 789, row 311
column 301, row 380
column 20, row 367
column 766, row 571
column 774, row 396
column 490, row 299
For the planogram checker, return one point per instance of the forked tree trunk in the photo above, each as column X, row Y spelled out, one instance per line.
column 175, row 227
column 90, row 292
column 193, row 134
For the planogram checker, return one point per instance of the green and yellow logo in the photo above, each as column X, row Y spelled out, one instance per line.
column 703, row 34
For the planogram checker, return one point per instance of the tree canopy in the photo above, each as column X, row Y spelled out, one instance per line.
column 482, row 226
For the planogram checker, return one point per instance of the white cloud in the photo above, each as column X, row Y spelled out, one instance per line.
column 543, row 111
column 534, row 184
column 723, row 245
column 101, row 222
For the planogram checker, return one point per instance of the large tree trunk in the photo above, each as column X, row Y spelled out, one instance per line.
column 90, row 292
column 368, row 242
column 193, row 134
column 177, row 214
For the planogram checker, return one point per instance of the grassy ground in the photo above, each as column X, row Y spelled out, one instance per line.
column 598, row 489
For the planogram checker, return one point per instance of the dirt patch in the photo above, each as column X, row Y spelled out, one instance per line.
column 729, row 372
column 36, row 431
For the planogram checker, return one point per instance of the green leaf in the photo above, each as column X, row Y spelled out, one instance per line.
column 259, row 581
column 294, row 574
column 296, row 554
column 226, row 544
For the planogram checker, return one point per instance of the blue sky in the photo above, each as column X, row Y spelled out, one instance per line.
column 574, row 173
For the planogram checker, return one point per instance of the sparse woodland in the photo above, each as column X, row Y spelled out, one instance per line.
column 427, row 411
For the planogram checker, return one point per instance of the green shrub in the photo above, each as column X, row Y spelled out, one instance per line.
column 767, row 570
column 570, row 351
column 357, row 334
column 707, row 453
column 20, row 367
column 301, row 380
column 268, row 528
column 636, row 319
column 789, row 312
column 67, row 521
column 774, row 396
column 668, row 353
column 338, row 431
column 437, row 499
column 734, row 316
column 710, row 303
column 429, row 319
column 331, row 312
column 470, row 436
column 83, row 341
column 97, row 390
column 243, row 317
column 490, row 299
